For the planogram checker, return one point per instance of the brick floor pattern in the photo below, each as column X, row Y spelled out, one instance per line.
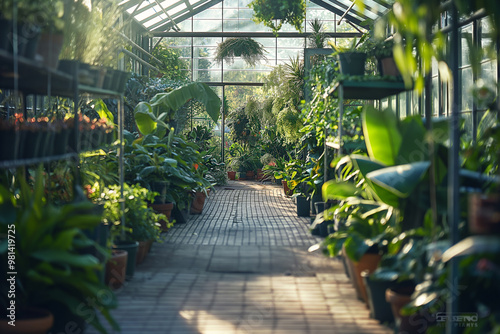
column 242, row 266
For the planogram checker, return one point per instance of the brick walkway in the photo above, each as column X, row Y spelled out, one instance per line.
column 241, row 267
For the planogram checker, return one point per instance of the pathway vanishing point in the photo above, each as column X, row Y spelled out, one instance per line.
column 242, row 266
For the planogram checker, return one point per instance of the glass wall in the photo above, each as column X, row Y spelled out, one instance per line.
column 235, row 16
column 472, row 112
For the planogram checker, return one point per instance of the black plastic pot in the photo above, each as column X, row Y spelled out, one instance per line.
column 315, row 198
column 180, row 216
column 303, row 206
column 352, row 63
column 380, row 309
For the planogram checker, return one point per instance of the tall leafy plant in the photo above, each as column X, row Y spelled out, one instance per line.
column 153, row 116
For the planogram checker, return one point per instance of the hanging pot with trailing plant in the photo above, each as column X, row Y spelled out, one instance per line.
column 274, row 13
column 244, row 47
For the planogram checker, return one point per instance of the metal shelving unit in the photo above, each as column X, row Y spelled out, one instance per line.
column 30, row 77
column 374, row 89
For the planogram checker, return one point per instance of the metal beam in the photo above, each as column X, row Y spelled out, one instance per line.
column 188, row 15
column 252, row 34
column 453, row 172
column 223, row 84
column 358, row 13
column 345, row 13
column 341, row 7
column 337, row 11
column 138, row 47
column 140, row 60
column 130, row 4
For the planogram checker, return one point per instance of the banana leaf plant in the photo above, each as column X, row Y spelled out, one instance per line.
column 54, row 269
column 394, row 177
column 153, row 117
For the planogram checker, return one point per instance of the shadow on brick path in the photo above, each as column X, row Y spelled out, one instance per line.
column 242, row 266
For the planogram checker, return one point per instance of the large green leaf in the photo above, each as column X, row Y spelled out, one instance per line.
column 356, row 246
column 7, row 208
column 382, row 135
column 102, row 110
column 366, row 165
column 144, row 118
column 336, row 190
column 413, row 146
column 88, row 261
column 175, row 99
column 400, row 180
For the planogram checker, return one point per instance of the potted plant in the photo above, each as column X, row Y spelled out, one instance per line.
column 284, row 11
column 141, row 223
column 244, row 47
column 351, row 61
column 54, row 269
column 381, row 50
column 483, row 157
column 51, row 39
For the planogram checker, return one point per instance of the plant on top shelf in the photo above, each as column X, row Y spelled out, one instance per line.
column 285, row 11
column 351, row 59
column 244, row 47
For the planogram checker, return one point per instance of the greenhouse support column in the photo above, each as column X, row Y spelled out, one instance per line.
column 453, row 186
column 222, row 124
column 120, row 157
column 341, row 116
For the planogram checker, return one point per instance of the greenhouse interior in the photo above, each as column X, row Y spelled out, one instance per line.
column 249, row 166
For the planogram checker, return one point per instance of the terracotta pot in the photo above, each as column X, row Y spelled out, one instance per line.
column 387, row 66
column 198, row 203
column 149, row 245
column 484, row 213
column 398, row 299
column 368, row 262
column 116, row 268
column 31, row 321
column 260, row 174
column 131, row 248
column 166, row 209
column 350, row 270
column 286, row 190
column 142, row 251
column 231, row 175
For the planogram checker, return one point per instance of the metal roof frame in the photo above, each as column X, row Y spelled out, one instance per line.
column 164, row 15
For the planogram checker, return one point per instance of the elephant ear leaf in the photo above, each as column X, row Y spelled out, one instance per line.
column 399, row 180
column 382, row 135
column 145, row 119
column 413, row 145
column 174, row 100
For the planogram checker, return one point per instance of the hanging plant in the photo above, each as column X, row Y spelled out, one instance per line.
column 245, row 47
column 285, row 11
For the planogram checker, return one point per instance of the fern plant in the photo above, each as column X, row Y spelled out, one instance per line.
column 245, row 47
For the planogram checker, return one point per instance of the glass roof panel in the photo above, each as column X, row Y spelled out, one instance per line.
column 150, row 13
